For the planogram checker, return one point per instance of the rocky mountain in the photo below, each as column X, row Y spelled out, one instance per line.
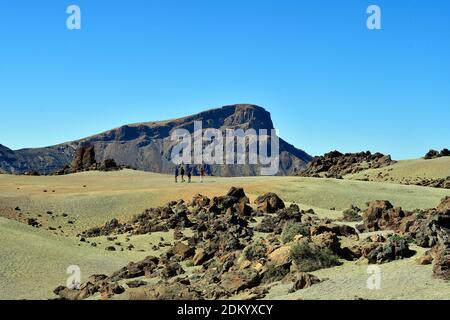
column 148, row 145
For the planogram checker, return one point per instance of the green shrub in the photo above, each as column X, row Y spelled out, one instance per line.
column 274, row 273
column 255, row 251
column 352, row 214
column 309, row 257
column 291, row 229
column 397, row 239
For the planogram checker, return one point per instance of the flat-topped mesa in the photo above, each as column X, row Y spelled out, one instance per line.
column 239, row 116
column 244, row 116
column 148, row 145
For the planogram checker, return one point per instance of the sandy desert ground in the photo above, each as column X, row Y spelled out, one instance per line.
column 34, row 261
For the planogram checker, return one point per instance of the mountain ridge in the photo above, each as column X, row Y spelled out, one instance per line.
column 146, row 145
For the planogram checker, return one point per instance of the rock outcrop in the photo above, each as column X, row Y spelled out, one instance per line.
column 227, row 259
column 84, row 160
column 336, row 165
column 433, row 154
column 223, row 258
column 443, row 183
column 428, row 228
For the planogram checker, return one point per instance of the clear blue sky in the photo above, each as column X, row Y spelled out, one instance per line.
column 328, row 81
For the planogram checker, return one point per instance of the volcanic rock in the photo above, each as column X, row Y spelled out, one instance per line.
column 336, row 165
column 269, row 203
column 304, row 280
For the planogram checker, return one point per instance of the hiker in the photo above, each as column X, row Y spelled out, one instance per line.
column 182, row 171
column 202, row 174
column 176, row 174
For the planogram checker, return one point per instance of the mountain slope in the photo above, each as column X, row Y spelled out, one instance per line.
column 8, row 159
column 147, row 146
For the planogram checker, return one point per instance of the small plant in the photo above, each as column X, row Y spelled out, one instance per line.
column 309, row 257
column 400, row 240
column 352, row 214
column 292, row 229
column 395, row 248
column 274, row 273
column 254, row 251
column 420, row 215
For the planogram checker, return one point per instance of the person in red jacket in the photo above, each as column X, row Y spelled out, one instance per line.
column 202, row 174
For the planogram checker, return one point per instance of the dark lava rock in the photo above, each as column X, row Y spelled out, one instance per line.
column 335, row 164
column 269, row 203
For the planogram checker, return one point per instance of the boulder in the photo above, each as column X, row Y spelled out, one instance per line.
column 243, row 209
column 381, row 215
column 441, row 266
column 352, row 214
column 327, row 240
column 394, row 249
column 164, row 291
column 238, row 193
column 304, row 280
column 171, row 269
column 236, row 281
column 444, row 207
column 136, row 283
column 199, row 201
column 200, row 257
column 280, row 256
column 432, row 154
column 426, row 259
column 84, row 158
column 269, row 203
column 445, row 152
column 182, row 250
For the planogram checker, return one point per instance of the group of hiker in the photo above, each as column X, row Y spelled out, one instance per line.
column 186, row 170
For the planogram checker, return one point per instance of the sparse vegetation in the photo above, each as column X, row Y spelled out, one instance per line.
column 274, row 273
column 352, row 214
column 400, row 240
column 309, row 257
column 122, row 194
column 292, row 229
column 254, row 251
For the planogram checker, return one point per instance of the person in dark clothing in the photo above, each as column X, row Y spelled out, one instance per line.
column 182, row 171
column 189, row 175
column 176, row 174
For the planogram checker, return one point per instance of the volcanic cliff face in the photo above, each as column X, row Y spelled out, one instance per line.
column 147, row 146
column 7, row 157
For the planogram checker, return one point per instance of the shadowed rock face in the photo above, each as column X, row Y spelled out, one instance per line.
column 7, row 157
column 147, row 146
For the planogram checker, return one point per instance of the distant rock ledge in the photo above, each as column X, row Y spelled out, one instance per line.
column 336, row 164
